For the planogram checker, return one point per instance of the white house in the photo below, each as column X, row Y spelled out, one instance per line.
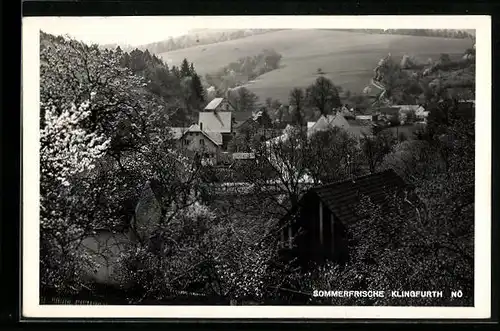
column 207, row 144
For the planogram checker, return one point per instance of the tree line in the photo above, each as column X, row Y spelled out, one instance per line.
column 441, row 33
column 200, row 38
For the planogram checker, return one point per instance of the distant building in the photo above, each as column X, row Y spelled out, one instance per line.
column 317, row 229
column 327, row 122
column 106, row 246
column 355, row 127
column 218, row 117
column 370, row 118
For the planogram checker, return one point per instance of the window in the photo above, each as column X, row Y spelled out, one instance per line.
column 186, row 142
column 202, row 142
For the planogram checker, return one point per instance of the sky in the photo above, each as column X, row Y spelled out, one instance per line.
column 112, row 30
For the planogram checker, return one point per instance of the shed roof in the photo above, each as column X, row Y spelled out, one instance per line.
column 343, row 198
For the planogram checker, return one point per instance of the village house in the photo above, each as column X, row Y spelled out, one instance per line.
column 216, row 127
column 211, row 135
column 205, row 144
column 355, row 127
column 218, row 117
column 345, row 111
column 318, row 228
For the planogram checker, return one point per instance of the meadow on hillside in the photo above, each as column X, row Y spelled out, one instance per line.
column 347, row 58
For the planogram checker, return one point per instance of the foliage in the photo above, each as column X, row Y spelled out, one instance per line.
column 297, row 100
column 323, row 95
column 242, row 99
column 333, row 155
column 375, row 147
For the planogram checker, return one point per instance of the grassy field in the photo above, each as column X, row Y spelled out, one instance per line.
column 348, row 58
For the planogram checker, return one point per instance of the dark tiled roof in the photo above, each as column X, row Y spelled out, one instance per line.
column 343, row 198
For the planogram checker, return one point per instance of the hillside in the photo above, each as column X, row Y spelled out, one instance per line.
column 200, row 37
column 348, row 58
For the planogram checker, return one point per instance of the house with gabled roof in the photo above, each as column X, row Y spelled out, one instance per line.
column 326, row 122
column 317, row 228
column 354, row 127
column 206, row 144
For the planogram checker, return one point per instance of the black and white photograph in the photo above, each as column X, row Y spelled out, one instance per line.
column 249, row 167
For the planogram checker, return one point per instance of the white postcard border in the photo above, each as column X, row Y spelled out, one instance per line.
column 31, row 165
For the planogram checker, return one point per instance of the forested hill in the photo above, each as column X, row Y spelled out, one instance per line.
column 193, row 38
